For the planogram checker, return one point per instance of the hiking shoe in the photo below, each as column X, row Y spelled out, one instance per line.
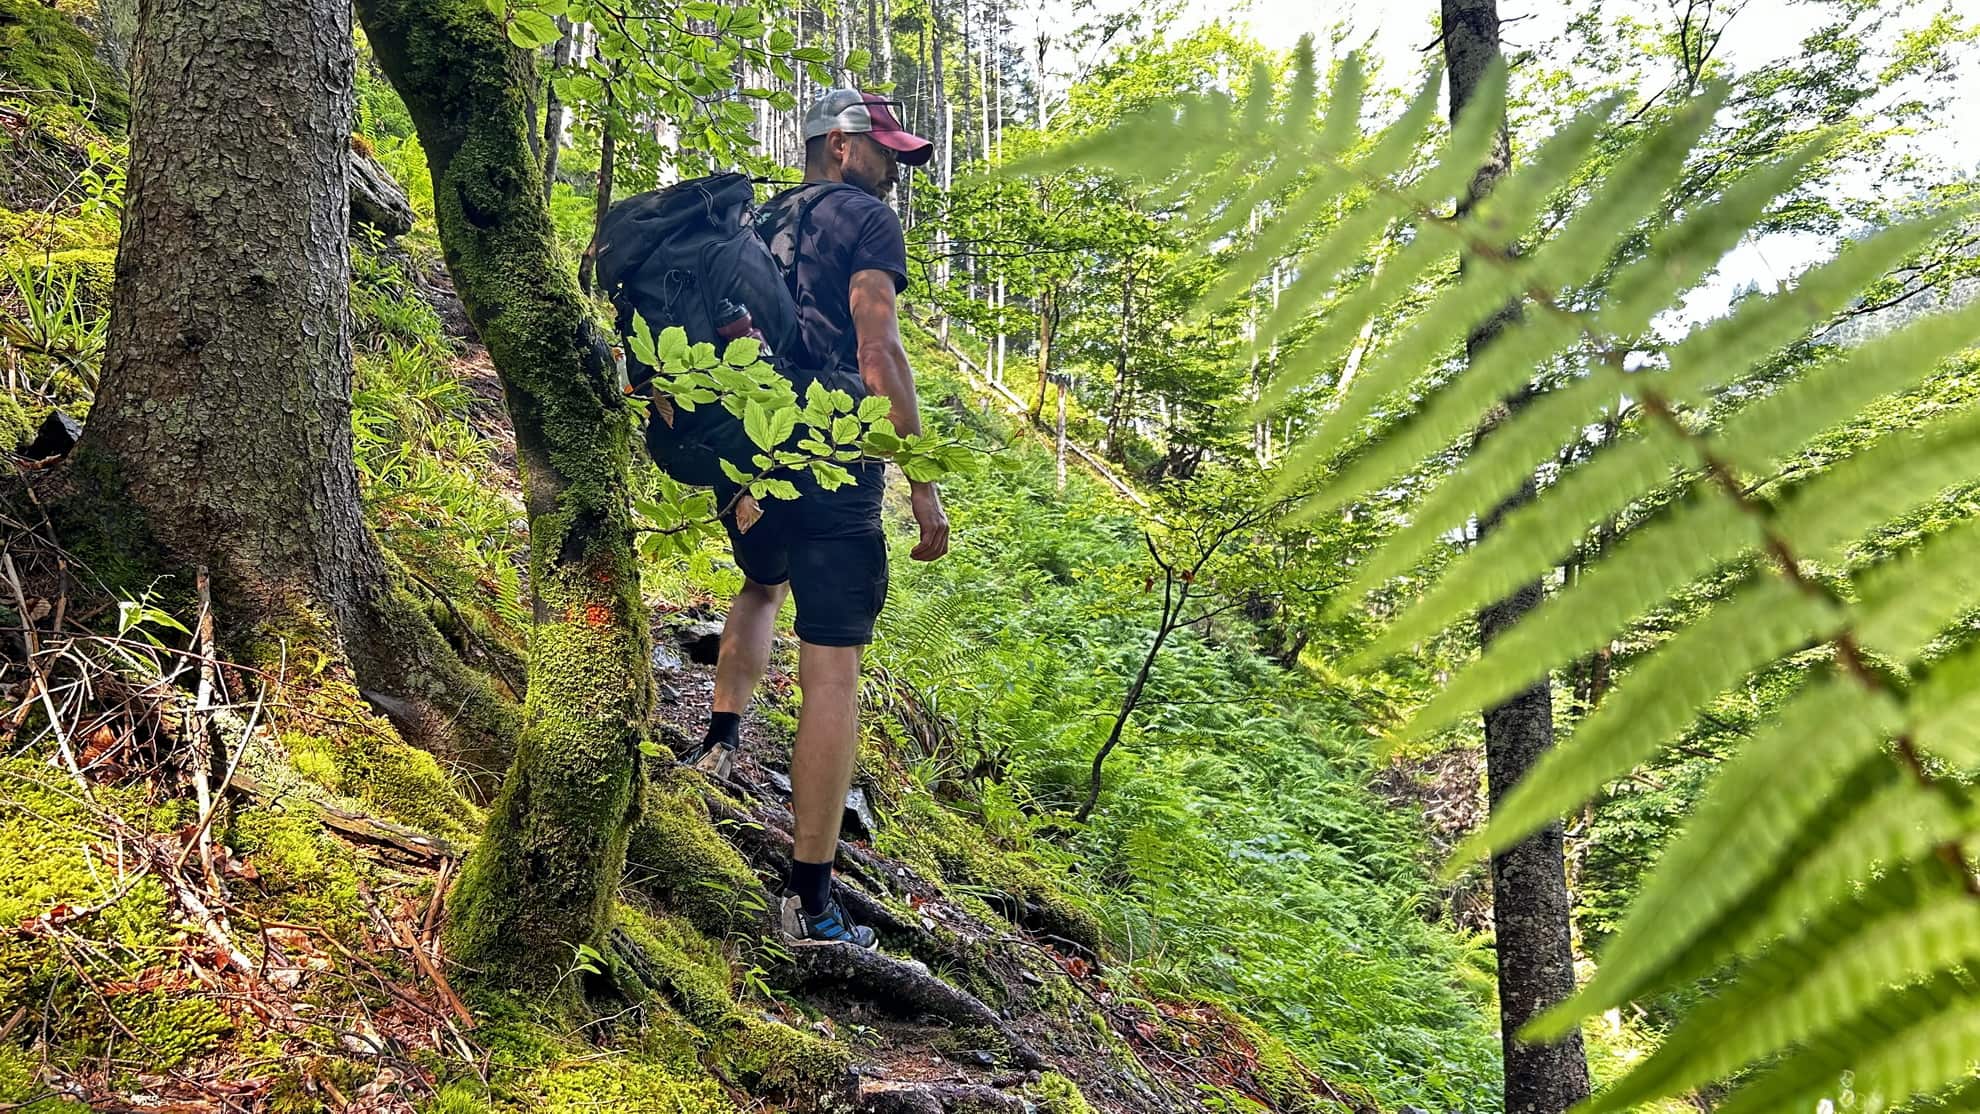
column 832, row 926
column 714, row 758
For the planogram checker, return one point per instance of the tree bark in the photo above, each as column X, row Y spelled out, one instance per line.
column 1531, row 907
column 601, row 199
column 224, row 410
column 545, row 874
column 553, row 108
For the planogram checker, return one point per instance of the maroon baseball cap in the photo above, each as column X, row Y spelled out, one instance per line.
column 849, row 110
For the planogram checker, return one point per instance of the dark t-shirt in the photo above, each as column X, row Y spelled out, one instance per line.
column 846, row 231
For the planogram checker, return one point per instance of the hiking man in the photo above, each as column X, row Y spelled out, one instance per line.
column 848, row 261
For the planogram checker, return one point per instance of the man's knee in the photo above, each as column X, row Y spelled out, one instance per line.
column 827, row 667
column 763, row 593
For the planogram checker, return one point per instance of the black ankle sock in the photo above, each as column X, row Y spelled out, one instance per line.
column 812, row 882
column 724, row 727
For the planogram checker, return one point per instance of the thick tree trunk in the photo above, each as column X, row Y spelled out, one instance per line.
column 1531, row 907
column 224, row 411
column 544, row 876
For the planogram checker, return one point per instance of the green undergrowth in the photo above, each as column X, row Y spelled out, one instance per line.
column 1237, row 853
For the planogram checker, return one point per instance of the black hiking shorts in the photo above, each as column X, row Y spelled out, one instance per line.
column 827, row 544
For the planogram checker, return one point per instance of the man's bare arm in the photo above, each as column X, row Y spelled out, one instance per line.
column 883, row 362
column 883, row 367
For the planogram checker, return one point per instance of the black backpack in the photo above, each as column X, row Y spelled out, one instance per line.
column 675, row 256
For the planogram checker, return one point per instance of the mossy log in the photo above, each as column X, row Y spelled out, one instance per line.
column 545, row 874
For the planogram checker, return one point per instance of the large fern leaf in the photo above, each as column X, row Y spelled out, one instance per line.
column 1824, row 872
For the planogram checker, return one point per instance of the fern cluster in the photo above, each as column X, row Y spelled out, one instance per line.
column 1826, row 872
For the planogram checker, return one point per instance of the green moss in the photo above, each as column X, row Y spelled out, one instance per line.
column 1055, row 1094
column 353, row 753
column 687, row 967
column 626, row 1086
column 942, row 844
column 41, row 49
column 456, row 1098
column 21, row 1089
column 15, row 425
column 47, row 865
column 93, row 270
column 676, row 856
column 770, row 1058
column 308, row 876
column 35, row 231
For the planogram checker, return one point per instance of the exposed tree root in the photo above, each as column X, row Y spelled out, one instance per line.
column 902, row 987
column 887, row 1097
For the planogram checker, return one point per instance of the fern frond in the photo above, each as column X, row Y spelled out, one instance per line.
column 1510, row 211
column 1906, row 925
column 1656, row 701
column 1945, row 709
column 1335, row 178
column 1906, row 602
column 1909, row 1042
column 1493, row 471
column 1738, row 834
column 1531, row 540
column 1904, row 823
column 1899, row 471
column 1317, row 268
column 1644, row 569
column 1833, row 391
column 1681, row 255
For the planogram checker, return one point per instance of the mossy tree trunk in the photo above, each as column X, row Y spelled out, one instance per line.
column 543, row 877
column 224, row 410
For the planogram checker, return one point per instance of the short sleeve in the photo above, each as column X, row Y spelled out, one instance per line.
column 878, row 244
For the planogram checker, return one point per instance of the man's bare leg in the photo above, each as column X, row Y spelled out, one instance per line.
column 821, row 771
column 827, row 747
column 745, row 653
column 739, row 668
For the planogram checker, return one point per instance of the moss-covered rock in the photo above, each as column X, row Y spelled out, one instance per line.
column 16, row 427
column 626, row 1086
column 91, row 270
column 43, row 50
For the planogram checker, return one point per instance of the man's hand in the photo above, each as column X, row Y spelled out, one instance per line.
column 934, row 522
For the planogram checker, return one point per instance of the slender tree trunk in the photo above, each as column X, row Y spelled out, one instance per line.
column 1118, row 405
column 544, row 876
column 224, row 410
column 1061, row 381
column 886, row 40
column 1531, row 907
column 1047, row 314
column 601, row 198
column 946, row 137
column 553, row 110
